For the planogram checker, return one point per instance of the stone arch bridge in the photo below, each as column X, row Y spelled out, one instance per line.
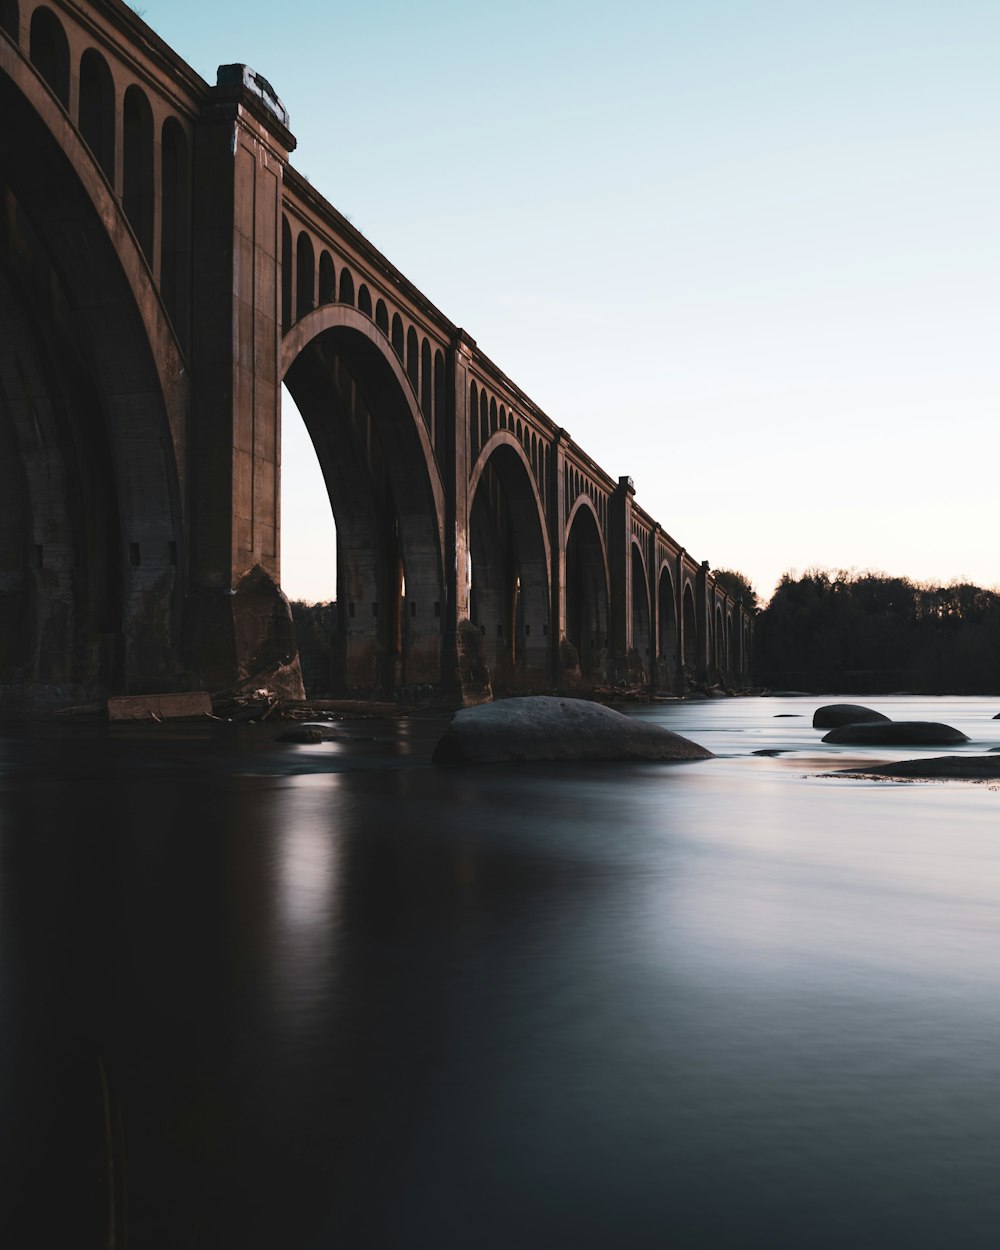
column 163, row 268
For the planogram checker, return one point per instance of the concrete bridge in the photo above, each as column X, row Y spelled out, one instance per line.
column 163, row 268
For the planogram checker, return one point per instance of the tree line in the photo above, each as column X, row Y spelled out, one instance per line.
column 844, row 631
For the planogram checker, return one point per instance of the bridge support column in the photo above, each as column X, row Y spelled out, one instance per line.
column 463, row 670
column 238, row 618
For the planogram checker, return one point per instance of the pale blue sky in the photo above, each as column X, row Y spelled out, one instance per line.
column 746, row 253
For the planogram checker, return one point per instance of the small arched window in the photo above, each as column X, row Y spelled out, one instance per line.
column 494, row 419
column 439, row 403
column 474, row 419
column 365, row 300
column 97, row 110
column 346, row 286
column 137, row 198
column 305, row 275
column 413, row 359
column 49, row 52
column 382, row 317
column 397, row 335
column 426, row 385
column 327, row 279
column 286, row 274
column 484, row 418
column 175, row 234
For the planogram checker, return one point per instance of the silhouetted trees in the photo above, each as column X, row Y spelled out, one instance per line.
column 315, row 632
column 846, row 631
column 738, row 587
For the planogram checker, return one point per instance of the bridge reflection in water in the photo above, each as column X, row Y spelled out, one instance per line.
column 163, row 269
column 378, row 1004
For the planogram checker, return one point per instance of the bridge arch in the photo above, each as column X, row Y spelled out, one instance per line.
column 386, row 494
column 666, row 624
column 689, row 631
column 99, row 568
column 510, row 566
column 641, row 657
column 587, row 591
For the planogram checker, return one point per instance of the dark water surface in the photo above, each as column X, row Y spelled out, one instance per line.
column 261, row 995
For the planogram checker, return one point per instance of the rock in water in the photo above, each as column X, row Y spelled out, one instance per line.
column 542, row 727
column 897, row 733
column 308, row 731
column 834, row 715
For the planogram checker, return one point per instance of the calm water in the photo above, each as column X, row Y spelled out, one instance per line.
column 260, row 995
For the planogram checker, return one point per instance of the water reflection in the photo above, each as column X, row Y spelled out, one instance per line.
column 390, row 1007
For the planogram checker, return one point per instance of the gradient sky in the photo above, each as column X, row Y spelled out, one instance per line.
column 747, row 253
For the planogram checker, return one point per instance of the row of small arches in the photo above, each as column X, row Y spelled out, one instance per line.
column 48, row 51
column 577, row 484
column 320, row 284
column 486, row 417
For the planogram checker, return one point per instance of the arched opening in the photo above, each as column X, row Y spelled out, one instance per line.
column 720, row 641
column 509, row 575
column 308, row 552
column 586, row 598
column 730, row 658
column 413, row 360
column 386, row 500
column 10, row 19
column 484, row 419
column 639, row 656
column 365, row 300
column 327, row 279
column 97, row 110
column 474, row 419
column 439, row 404
column 690, row 634
column 666, row 620
column 305, row 275
column 286, row 275
column 382, row 317
column 90, row 558
column 494, row 418
column 175, row 235
column 427, row 386
column 346, row 286
column 49, row 52
column 397, row 335
column 137, row 148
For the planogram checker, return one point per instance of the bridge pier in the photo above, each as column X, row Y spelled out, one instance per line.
column 237, row 618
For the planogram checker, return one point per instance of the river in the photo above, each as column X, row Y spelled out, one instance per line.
column 329, row 996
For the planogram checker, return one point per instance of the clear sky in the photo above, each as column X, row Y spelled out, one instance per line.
column 746, row 252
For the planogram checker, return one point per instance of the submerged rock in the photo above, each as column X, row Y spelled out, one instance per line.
column 542, row 727
column 957, row 767
column 897, row 733
column 834, row 715
column 308, row 731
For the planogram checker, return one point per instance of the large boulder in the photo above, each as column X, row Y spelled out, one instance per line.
column 892, row 733
column 541, row 727
column 955, row 767
column 836, row 714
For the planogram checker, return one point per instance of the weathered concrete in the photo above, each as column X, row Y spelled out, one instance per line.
column 548, row 728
